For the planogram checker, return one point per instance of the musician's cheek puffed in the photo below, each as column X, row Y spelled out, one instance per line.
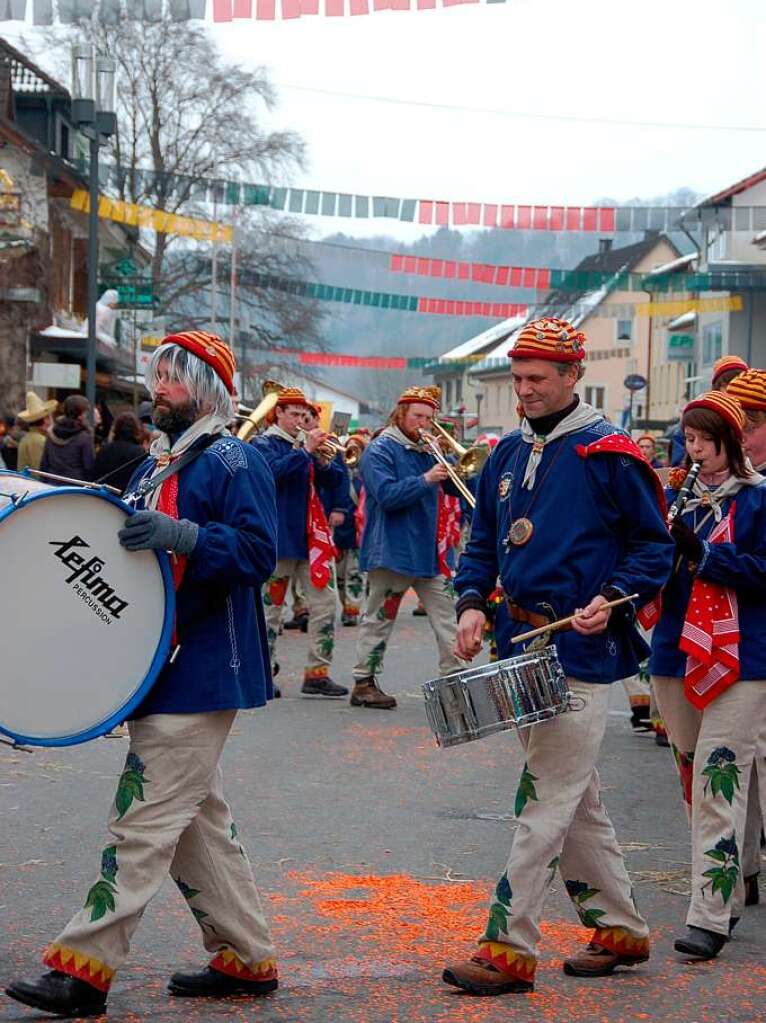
column 569, row 516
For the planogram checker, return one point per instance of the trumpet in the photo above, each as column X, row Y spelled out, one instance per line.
column 432, row 443
column 251, row 418
column 352, row 450
column 469, row 460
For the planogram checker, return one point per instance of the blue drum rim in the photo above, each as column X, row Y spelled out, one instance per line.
column 163, row 647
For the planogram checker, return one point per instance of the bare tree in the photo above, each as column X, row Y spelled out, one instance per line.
column 184, row 115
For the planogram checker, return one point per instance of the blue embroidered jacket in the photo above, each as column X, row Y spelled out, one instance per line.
column 223, row 662
column 596, row 523
column 401, row 510
column 740, row 565
column 290, row 466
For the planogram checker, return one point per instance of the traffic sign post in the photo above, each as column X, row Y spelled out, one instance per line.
column 633, row 382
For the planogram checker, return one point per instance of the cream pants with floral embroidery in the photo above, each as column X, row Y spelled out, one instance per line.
column 170, row 816
column 563, row 826
column 320, row 604
column 386, row 590
column 714, row 751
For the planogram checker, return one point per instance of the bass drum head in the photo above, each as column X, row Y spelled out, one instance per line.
column 85, row 624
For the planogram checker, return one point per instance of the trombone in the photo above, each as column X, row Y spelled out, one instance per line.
column 433, row 444
column 469, row 460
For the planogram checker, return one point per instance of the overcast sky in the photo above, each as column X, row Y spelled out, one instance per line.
column 699, row 62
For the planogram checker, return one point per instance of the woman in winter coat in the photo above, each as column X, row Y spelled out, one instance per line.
column 69, row 448
column 118, row 459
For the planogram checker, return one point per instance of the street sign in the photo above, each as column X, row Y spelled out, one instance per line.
column 133, row 292
column 124, row 268
column 681, row 347
column 634, row 382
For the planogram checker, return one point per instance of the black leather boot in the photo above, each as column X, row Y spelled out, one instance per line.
column 700, row 943
column 59, row 993
column 209, row 983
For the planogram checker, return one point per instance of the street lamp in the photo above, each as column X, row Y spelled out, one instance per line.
column 93, row 113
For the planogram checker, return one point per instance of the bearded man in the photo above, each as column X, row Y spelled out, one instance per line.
column 216, row 515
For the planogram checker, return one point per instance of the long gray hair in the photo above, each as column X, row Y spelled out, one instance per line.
column 205, row 387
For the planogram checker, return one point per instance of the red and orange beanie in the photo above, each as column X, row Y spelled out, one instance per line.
column 549, row 338
column 727, row 407
column 211, row 349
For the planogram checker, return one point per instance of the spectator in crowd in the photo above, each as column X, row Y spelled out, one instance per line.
column 37, row 415
column 119, row 457
column 69, row 447
column 9, row 442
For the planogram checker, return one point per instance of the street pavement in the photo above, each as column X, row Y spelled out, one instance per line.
column 375, row 853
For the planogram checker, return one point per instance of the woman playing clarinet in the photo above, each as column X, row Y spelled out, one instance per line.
column 708, row 660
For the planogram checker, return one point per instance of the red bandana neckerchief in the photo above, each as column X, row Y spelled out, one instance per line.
column 443, row 515
column 168, row 504
column 710, row 636
column 619, row 444
column 360, row 515
column 322, row 552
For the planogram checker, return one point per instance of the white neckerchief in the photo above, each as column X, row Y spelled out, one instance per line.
column 161, row 447
column 580, row 417
column 401, row 438
column 277, row 431
column 704, row 497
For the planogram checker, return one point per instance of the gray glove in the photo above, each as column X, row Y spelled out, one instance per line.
column 152, row 530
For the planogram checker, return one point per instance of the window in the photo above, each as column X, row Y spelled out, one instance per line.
column 624, row 330
column 458, row 390
column 448, row 394
column 712, row 343
column 595, row 395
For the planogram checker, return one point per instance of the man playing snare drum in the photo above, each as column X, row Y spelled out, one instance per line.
column 568, row 516
column 217, row 517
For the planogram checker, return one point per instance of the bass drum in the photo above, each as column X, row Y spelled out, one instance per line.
column 85, row 625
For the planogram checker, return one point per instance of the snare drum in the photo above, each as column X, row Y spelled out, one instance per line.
column 85, row 625
column 517, row 692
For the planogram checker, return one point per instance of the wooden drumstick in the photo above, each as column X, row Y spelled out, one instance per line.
column 561, row 622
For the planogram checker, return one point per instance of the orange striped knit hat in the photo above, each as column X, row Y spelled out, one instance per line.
column 294, row 396
column 725, row 405
column 549, row 338
column 726, row 364
column 422, row 395
column 211, row 349
column 749, row 388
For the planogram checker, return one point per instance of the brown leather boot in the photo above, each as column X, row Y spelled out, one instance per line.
column 478, row 977
column 596, row 961
column 367, row 693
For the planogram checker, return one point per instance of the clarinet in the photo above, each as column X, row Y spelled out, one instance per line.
column 684, row 493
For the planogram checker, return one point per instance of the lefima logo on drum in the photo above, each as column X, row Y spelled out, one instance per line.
column 85, row 578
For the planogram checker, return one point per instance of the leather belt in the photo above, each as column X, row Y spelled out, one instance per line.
column 533, row 618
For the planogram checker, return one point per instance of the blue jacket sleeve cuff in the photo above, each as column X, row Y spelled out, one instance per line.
column 705, row 555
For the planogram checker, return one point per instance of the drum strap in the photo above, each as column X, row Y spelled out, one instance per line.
column 146, row 486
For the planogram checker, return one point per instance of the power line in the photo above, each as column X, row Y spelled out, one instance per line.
column 567, row 118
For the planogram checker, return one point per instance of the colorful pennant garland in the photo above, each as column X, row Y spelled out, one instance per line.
column 490, row 310
column 145, row 216
column 384, row 300
column 548, row 278
column 514, row 217
column 110, row 12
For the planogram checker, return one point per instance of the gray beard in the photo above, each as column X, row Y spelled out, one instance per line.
column 177, row 419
